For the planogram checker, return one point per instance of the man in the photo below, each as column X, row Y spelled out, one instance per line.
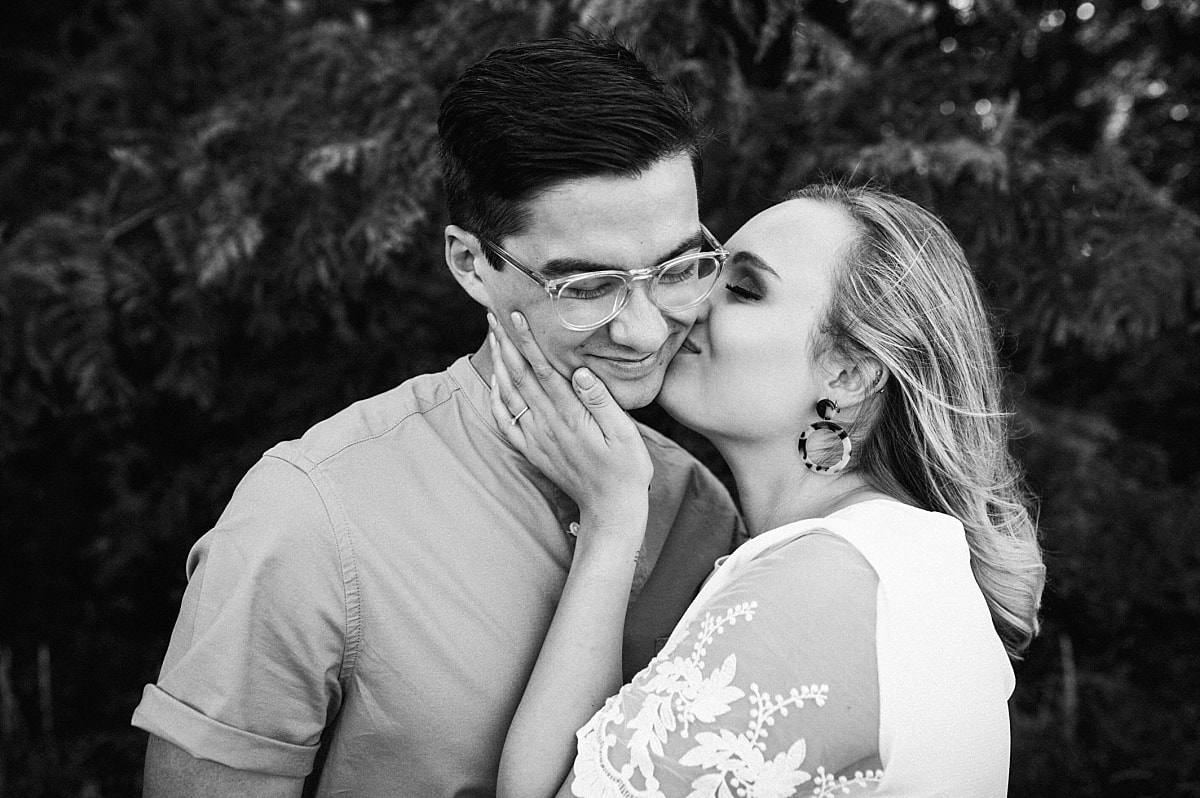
column 364, row 616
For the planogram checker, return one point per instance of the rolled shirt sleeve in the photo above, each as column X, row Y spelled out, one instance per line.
column 255, row 664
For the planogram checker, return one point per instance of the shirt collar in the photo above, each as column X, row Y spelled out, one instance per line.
column 479, row 396
column 476, row 391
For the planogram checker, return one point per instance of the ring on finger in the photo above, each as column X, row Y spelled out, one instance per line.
column 517, row 417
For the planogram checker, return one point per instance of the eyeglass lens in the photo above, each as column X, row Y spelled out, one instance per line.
column 588, row 301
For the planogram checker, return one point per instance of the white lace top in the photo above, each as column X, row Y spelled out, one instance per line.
column 795, row 642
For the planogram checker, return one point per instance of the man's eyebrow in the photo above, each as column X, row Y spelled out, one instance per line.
column 562, row 267
column 748, row 259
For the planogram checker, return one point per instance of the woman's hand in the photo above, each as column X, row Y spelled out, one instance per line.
column 573, row 431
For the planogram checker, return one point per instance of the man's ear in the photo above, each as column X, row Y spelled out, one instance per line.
column 467, row 263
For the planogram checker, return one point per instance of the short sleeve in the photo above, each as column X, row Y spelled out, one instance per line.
column 251, row 675
column 772, row 689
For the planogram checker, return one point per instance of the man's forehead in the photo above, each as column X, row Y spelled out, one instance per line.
column 611, row 221
column 574, row 264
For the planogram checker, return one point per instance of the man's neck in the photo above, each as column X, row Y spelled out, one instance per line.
column 481, row 361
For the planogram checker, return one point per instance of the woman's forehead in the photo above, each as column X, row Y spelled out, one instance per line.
column 796, row 237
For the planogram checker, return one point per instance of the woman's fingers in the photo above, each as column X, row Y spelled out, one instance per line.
column 518, row 378
column 505, row 418
column 614, row 422
column 555, row 386
column 507, row 403
column 618, row 429
column 572, row 430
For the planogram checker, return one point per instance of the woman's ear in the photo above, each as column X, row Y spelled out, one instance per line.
column 853, row 382
column 468, row 264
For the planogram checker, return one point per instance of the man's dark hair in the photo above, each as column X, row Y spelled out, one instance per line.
column 535, row 114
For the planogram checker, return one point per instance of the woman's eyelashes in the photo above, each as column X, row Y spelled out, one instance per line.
column 743, row 291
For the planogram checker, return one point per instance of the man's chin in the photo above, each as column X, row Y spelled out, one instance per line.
column 633, row 394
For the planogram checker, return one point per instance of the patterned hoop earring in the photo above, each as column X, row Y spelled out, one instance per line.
column 826, row 409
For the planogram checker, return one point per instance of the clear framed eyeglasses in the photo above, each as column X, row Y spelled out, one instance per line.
column 589, row 300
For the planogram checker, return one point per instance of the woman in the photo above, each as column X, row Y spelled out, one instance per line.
column 860, row 641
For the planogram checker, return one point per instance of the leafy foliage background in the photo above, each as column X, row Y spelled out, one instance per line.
column 220, row 222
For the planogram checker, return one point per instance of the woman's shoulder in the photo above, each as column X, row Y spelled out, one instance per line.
column 853, row 551
column 813, row 589
column 885, row 516
column 891, row 532
column 847, row 542
column 820, row 559
column 892, row 513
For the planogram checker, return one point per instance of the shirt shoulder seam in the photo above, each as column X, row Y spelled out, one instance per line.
column 348, row 563
column 309, row 464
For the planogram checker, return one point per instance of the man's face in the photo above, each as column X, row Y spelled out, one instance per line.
column 605, row 222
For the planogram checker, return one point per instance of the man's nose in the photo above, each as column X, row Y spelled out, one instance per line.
column 640, row 325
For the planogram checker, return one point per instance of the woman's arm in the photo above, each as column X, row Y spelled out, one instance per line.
column 578, row 668
column 582, row 440
column 772, row 685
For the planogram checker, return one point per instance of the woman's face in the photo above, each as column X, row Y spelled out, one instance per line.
column 745, row 371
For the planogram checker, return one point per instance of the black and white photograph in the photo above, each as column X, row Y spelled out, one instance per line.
column 599, row 398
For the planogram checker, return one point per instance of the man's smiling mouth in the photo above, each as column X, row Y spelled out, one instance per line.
column 629, row 367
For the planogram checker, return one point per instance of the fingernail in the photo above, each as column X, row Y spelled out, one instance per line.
column 584, row 378
column 491, row 319
column 518, row 320
column 493, row 382
column 492, row 340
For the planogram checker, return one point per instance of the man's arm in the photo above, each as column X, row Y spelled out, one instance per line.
column 252, row 671
column 172, row 772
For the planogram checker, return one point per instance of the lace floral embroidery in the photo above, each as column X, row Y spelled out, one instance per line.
column 678, row 695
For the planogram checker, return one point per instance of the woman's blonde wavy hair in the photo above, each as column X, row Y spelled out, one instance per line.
column 938, row 433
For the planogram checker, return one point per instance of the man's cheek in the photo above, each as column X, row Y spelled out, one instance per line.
column 561, row 357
